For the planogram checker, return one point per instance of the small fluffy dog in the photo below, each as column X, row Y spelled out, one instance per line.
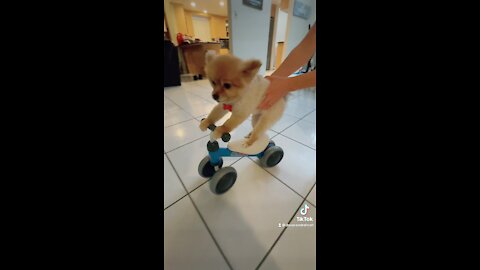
column 238, row 88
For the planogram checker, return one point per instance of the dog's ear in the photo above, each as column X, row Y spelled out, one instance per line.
column 210, row 55
column 251, row 67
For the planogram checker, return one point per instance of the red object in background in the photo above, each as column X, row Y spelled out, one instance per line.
column 180, row 39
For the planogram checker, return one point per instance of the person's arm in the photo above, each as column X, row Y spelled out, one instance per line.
column 306, row 80
column 299, row 55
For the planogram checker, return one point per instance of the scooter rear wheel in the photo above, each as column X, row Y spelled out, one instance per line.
column 272, row 156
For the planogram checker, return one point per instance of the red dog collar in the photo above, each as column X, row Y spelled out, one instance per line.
column 227, row 107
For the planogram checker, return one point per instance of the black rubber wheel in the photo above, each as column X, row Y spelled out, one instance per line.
column 272, row 156
column 205, row 168
column 226, row 137
column 223, row 180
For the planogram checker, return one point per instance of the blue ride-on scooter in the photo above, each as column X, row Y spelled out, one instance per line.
column 223, row 178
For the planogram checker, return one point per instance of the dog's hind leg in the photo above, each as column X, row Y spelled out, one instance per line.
column 264, row 122
column 255, row 118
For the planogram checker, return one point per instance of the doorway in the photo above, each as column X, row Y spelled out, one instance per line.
column 201, row 27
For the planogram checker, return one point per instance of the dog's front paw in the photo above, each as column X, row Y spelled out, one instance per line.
column 204, row 124
column 246, row 144
column 249, row 141
column 218, row 132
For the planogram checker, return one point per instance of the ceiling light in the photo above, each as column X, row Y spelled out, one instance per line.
column 222, row 3
column 193, row 4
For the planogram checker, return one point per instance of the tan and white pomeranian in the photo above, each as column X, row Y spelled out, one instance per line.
column 238, row 88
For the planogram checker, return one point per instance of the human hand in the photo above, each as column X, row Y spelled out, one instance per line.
column 277, row 89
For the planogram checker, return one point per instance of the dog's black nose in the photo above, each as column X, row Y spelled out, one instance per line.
column 215, row 96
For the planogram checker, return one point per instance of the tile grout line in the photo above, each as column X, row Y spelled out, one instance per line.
column 299, row 119
column 303, row 198
column 314, row 185
column 311, row 203
column 278, row 238
column 186, row 144
column 199, row 95
column 294, row 141
column 199, row 139
column 181, row 107
column 180, row 122
column 189, row 91
column 210, row 177
column 299, row 142
column 198, row 186
column 277, row 178
column 281, row 233
column 183, row 196
column 294, row 116
column 193, row 118
column 201, row 217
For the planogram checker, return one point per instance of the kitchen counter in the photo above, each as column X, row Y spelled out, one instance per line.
column 194, row 55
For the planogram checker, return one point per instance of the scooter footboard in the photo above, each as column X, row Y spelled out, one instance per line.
column 222, row 152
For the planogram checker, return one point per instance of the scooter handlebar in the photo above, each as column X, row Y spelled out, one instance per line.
column 211, row 127
column 225, row 136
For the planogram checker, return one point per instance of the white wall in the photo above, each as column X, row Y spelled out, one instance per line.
column 281, row 26
column 249, row 31
column 201, row 27
column 298, row 27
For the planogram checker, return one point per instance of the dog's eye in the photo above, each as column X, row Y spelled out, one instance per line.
column 227, row 85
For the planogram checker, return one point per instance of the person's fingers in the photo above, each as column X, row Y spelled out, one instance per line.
column 265, row 104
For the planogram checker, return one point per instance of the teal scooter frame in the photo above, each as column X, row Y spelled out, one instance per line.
column 222, row 179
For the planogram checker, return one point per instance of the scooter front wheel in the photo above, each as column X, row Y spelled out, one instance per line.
column 206, row 169
column 223, row 180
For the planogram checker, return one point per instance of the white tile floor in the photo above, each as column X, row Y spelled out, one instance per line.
column 243, row 228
